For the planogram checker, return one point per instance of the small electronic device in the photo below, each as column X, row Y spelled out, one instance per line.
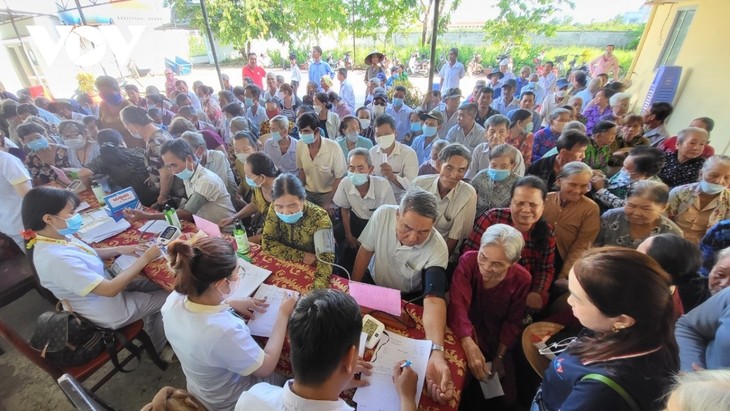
column 168, row 235
column 76, row 186
column 374, row 329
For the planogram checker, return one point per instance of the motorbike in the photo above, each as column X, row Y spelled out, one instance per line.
column 475, row 66
column 345, row 62
column 418, row 66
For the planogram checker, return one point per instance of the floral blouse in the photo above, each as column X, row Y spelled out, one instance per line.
column 523, row 143
column 291, row 241
column 616, row 230
column 40, row 170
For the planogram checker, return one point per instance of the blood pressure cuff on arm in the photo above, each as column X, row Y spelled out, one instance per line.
column 195, row 203
column 434, row 282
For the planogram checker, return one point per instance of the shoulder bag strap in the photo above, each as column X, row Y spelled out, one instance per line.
column 614, row 386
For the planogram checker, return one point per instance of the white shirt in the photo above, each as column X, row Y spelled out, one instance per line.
column 456, row 210
column 480, row 161
column 296, row 74
column 548, row 82
column 322, row 171
column 499, row 105
column 267, row 397
column 286, row 162
column 393, row 264
column 548, row 106
column 404, row 162
column 13, row 172
column 215, row 349
column 471, row 140
column 347, row 94
column 207, row 184
column 380, row 192
column 217, row 162
column 451, row 75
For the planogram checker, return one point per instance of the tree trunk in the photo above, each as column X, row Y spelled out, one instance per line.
column 425, row 23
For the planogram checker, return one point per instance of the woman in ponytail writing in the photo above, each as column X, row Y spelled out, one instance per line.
column 215, row 348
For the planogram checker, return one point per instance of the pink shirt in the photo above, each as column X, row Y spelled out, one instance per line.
column 602, row 64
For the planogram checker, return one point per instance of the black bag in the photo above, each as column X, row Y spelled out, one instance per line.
column 66, row 339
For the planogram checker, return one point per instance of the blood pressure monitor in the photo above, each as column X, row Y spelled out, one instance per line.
column 374, row 329
column 76, row 186
column 168, row 235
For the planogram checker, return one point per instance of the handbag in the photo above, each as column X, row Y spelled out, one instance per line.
column 538, row 403
column 66, row 339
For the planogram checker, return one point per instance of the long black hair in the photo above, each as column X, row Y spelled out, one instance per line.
column 44, row 200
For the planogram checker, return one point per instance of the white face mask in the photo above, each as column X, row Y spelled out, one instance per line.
column 364, row 123
column 232, row 285
column 386, row 141
column 378, row 110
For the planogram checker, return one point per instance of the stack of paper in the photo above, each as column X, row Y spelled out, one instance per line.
column 262, row 324
column 250, row 278
column 98, row 226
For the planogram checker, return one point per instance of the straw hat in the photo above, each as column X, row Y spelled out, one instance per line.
column 369, row 57
column 534, row 333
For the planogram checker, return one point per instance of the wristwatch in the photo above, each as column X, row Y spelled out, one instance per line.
column 436, row 347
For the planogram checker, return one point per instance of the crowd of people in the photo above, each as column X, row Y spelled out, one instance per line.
column 532, row 198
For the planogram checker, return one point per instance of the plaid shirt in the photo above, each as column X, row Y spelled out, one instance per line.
column 540, row 262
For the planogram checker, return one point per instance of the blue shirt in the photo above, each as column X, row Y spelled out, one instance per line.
column 402, row 120
column 347, row 94
column 717, row 238
column 423, row 150
column 49, row 117
column 317, row 70
column 543, row 142
column 703, row 334
column 361, row 142
column 503, row 108
column 258, row 118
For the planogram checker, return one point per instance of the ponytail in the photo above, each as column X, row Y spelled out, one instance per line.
column 200, row 264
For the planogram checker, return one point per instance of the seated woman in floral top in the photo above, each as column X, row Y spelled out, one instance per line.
column 640, row 218
column 683, row 166
column 520, row 133
column 603, row 145
column 42, row 155
column 597, row 108
column 291, row 225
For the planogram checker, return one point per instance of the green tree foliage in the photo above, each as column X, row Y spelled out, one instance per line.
column 520, row 19
column 425, row 8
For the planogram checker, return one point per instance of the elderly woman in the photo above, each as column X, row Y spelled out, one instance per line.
column 350, row 137
column 211, row 107
column 281, row 147
column 597, row 108
column 698, row 206
column 700, row 390
column 494, row 184
column 525, row 214
column 520, row 133
column 642, row 163
column 603, row 145
column 621, row 296
column 365, row 117
column 619, row 103
column 632, row 131
column 642, row 216
column 81, row 149
column 291, row 225
column 429, row 166
column 124, row 166
column 683, row 166
column 341, row 108
column 329, row 121
column 43, row 155
column 702, row 334
column 272, row 89
column 574, row 217
column 487, row 304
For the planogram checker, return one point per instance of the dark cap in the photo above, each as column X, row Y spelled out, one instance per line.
column 510, row 83
column 453, row 93
column 434, row 114
column 562, row 83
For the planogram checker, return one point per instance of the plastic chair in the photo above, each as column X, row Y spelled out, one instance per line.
column 131, row 332
column 16, row 276
column 81, row 399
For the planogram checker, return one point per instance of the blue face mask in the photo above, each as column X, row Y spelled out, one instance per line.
column 357, row 179
column 528, row 127
column 276, row 136
column 306, row 138
column 185, row 174
column 250, row 182
column 290, row 218
column 397, row 102
column 497, row 175
column 429, row 131
column 711, row 188
column 248, row 101
column 112, row 98
column 415, row 127
column 38, row 144
column 73, row 225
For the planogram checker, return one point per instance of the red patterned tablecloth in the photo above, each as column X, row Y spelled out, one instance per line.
column 299, row 277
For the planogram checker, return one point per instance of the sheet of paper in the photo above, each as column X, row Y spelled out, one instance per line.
column 208, row 227
column 375, row 297
column 262, row 324
column 361, row 350
column 154, row 227
column 98, row 226
column 251, row 277
column 83, row 206
column 381, row 395
column 492, row 387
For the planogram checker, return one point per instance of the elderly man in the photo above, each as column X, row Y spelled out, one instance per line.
column 555, row 99
column 527, row 102
column 402, row 249
column 320, row 162
column 534, row 86
column 466, row 131
column 450, row 111
column 373, row 83
column 395, row 161
column 457, row 199
column 214, row 160
column 401, row 112
column 346, row 93
column 496, row 134
column 281, row 147
column 484, row 107
column 194, row 100
column 432, row 122
column 654, row 121
column 507, row 101
column 254, row 111
column 620, row 103
column 587, row 94
column 319, row 68
column 452, row 72
column 523, row 79
column 571, row 147
column 504, row 68
column 64, row 110
column 605, row 63
column 578, row 82
column 253, row 71
column 474, row 96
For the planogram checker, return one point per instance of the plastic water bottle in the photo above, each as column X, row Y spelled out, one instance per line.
column 242, row 247
column 171, row 216
column 98, row 192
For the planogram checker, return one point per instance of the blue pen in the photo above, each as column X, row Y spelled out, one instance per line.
column 406, row 364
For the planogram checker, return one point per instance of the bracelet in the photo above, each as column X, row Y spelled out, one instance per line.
column 501, row 357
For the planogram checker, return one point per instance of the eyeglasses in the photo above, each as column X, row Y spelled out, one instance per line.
column 557, row 347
